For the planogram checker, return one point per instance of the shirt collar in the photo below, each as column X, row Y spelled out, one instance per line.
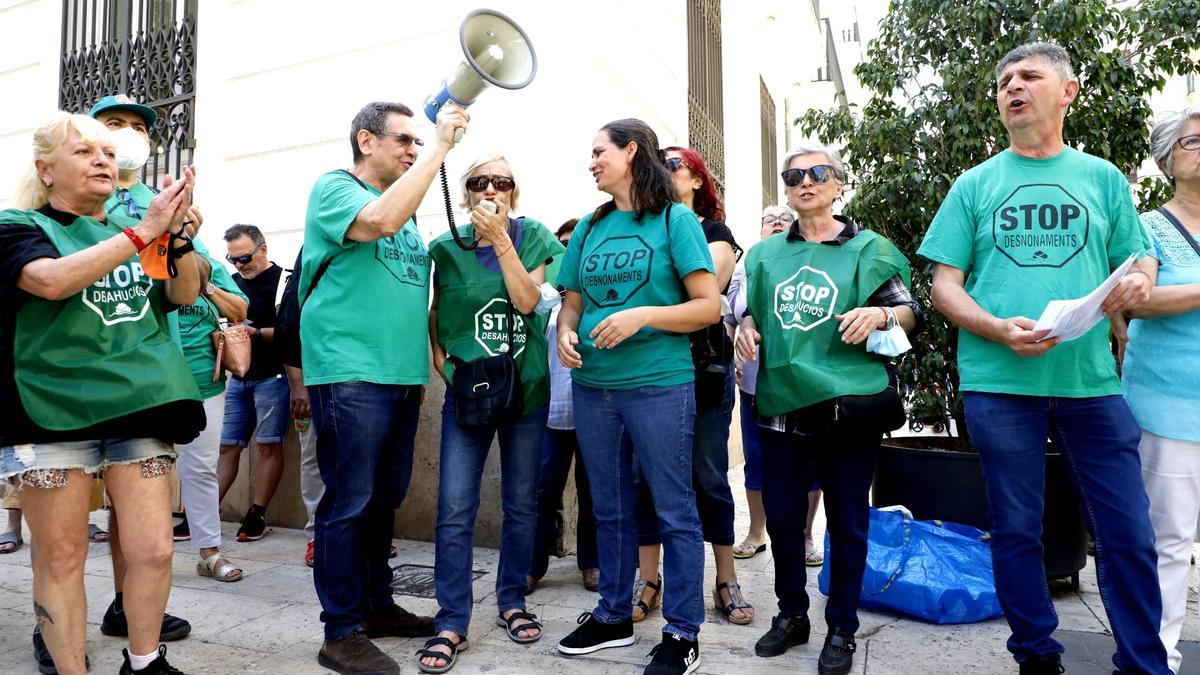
column 849, row 229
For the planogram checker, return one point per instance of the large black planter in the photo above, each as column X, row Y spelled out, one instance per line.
column 943, row 485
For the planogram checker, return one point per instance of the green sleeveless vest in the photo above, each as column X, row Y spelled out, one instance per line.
column 102, row 353
column 472, row 318
column 795, row 290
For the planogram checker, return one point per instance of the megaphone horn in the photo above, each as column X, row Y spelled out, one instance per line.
column 496, row 51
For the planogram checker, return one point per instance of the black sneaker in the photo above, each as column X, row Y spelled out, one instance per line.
column 181, row 532
column 158, row 666
column 673, row 656
column 1042, row 665
column 42, row 655
column 786, row 632
column 837, row 656
column 593, row 635
column 115, row 625
column 254, row 525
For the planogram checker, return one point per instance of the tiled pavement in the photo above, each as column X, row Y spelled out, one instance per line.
column 268, row 622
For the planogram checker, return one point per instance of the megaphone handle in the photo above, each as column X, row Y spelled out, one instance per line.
column 458, row 134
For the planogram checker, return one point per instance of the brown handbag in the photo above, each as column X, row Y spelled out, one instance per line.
column 232, row 345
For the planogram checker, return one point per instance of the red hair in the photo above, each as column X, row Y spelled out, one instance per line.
column 706, row 203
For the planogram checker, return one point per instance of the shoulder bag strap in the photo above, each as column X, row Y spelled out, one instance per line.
column 325, row 265
column 1187, row 236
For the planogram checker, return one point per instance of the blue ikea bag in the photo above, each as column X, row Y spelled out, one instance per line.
column 932, row 570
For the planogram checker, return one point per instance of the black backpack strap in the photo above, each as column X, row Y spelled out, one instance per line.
column 325, row 265
column 1187, row 236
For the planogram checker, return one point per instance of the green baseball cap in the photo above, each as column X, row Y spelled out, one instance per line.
column 123, row 102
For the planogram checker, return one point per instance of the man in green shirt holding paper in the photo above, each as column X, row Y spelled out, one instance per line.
column 364, row 304
column 1038, row 222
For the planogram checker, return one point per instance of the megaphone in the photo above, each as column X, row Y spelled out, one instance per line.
column 496, row 51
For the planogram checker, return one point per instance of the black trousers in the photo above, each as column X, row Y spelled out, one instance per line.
column 843, row 463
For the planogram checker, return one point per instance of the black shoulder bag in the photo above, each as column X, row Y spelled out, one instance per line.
column 487, row 391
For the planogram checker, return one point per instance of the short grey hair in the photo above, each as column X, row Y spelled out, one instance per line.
column 237, row 231
column 1168, row 129
column 1049, row 52
column 809, row 147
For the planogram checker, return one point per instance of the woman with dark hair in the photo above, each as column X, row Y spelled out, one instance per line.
column 712, row 356
column 638, row 278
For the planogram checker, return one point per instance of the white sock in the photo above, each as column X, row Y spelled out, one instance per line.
column 140, row 662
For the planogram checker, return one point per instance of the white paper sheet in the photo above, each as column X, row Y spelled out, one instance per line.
column 1070, row 319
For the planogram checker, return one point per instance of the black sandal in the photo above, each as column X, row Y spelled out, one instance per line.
column 533, row 624
column 639, row 588
column 736, row 602
column 455, row 648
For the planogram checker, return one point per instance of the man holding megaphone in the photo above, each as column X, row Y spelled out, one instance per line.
column 364, row 302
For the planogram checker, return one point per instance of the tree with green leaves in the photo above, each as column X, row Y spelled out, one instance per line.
column 932, row 115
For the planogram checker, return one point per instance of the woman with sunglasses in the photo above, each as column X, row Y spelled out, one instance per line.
column 638, row 277
column 712, row 355
column 1161, row 367
column 486, row 302
column 775, row 219
column 813, row 296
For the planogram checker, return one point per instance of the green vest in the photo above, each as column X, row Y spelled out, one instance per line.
column 795, row 290
column 102, row 353
column 472, row 318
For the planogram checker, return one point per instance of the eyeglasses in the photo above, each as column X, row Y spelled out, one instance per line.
column 480, row 183
column 125, row 199
column 1189, row 142
column 674, row 164
column 820, row 173
column 404, row 140
column 785, row 218
column 241, row 259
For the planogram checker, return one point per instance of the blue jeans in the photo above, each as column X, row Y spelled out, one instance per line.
column 365, row 438
column 655, row 425
column 559, row 449
column 463, row 454
column 844, row 462
column 1098, row 437
column 264, row 405
column 710, row 476
column 751, row 446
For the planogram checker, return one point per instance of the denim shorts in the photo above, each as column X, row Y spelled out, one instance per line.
column 46, row 464
column 264, row 405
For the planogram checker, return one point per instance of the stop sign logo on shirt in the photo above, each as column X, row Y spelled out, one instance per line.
column 491, row 328
column 806, row 300
column 616, row 269
column 1040, row 225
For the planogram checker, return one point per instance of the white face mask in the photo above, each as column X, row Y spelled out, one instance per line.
column 132, row 149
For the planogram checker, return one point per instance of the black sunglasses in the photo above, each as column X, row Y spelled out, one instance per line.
column 402, row 139
column 241, row 259
column 820, row 173
column 674, row 163
column 480, row 183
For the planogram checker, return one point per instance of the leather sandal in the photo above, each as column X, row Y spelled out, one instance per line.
column 639, row 589
column 514, row 631
column 746, row 550
column 208, row 568
column 455, row 648
column 736, row 602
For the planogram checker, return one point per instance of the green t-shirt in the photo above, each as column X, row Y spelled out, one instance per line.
column 625, row 264
column 1027, row 231
column 552, row 269
column 367, row 318
column 472, row 316
column 127, row 206
column 193, row 326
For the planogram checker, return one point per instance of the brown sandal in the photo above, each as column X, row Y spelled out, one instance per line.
column 639, row 590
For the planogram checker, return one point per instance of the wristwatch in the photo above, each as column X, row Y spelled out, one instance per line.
column 891, row 318
column 209, row 289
